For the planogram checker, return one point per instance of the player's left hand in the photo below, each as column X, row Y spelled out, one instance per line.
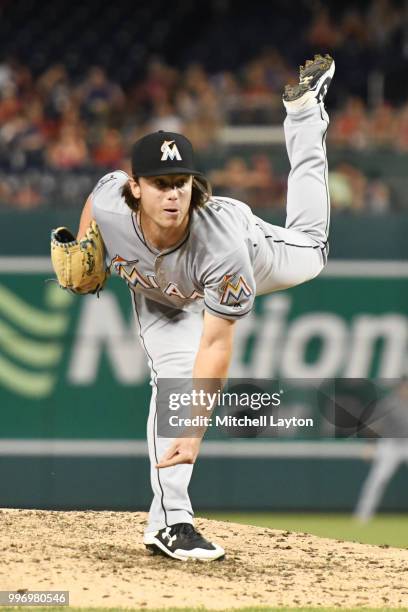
column 183, row 450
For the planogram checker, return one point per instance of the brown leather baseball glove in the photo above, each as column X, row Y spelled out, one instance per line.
column 79, row 265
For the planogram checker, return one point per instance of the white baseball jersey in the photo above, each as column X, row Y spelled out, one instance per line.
column 211, row 267
column 221, row 264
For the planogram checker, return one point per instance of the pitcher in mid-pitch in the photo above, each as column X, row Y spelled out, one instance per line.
column 194, row 264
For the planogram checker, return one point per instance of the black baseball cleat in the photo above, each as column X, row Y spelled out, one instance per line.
column 182, row 542
column 314, row 80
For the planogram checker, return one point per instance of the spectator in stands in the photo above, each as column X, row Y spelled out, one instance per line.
column 234, row 178
column 99, row 96
column 164, row 118
column 109, row 152
column 401, row 136
column 378, row 197
column 350, row 126
column 23, row 138
column 20, row 193
column 10, row 104
column 277, row 71
column 354, row 31
column 383, row 127
column 228, row 91
column 382, row 19
column 26, row 197
column 69, row 151
column 196, row 80
column 322, row 33
column 202, row 134
column 55, row 90
column 351, row 190
column 185, row 104
column 256, row 185
column 347, row 188
column 266, row 190
column 6, row 194
column 156, row 87
column 6, row 76
column 258, row 99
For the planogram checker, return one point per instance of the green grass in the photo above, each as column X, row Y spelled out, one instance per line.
column 387, row 529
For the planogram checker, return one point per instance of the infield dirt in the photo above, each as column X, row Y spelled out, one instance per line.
column 100, row 559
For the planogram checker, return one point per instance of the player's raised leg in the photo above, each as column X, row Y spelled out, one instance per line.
column 306, row 124
column 299, row 250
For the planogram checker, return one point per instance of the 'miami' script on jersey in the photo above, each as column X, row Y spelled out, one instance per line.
column 220, row 264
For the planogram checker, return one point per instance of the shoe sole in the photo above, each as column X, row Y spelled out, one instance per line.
column 295, row 92
column 157, row 548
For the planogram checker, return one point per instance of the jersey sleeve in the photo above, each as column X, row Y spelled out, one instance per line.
column 110, row 210
column 106, row 195
column 229, row 288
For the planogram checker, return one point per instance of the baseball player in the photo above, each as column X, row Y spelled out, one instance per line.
column 194, row 264
column 390, row 418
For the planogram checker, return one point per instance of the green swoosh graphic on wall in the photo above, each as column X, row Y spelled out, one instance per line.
column 29, row 384
column 32, row 352
column 29, row 318
column 39, row 352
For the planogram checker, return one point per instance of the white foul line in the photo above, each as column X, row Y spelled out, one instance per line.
column 336, row 268
column 243, row 449
column 339, row 268
column 10, row 265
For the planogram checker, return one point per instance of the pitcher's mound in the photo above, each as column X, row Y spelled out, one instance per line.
column 100, row 559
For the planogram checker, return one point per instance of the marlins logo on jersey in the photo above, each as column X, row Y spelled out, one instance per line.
column 170, row 152
column 232, row 291
column 128, row 271
column 134, row 278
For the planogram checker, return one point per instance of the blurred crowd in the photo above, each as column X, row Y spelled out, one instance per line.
column 383, row 127
column 52, row 121
column 60, row 129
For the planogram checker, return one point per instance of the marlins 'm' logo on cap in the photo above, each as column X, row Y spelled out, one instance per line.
column 162, row 153
column 234, row 290
column 170, row 152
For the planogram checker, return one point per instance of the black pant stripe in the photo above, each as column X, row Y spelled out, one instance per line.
column 155, row 412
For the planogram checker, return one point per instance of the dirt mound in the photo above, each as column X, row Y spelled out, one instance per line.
column 100, row 559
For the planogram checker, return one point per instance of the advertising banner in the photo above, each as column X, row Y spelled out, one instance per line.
column 72, row 367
